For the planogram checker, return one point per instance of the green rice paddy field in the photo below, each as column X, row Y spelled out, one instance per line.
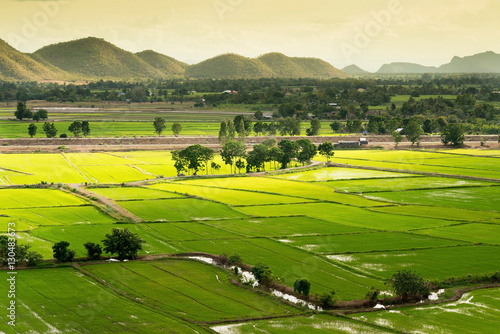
column 193, row 126
column 346, row 229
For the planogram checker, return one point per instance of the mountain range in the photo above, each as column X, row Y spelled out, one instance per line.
column 93, row 59
column 487, row 62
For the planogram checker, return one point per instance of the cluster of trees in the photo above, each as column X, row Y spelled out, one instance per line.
column 77, row 128
column 9, row 248
column 23, row 112
column 265, row 91
column 242, row 127
column 160, row 125
column 196, row 158
column 122, row 242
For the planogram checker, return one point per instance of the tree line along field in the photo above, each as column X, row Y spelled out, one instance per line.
column 127, row 128
column 343, row 228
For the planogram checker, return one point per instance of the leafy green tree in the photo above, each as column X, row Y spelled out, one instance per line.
column 275, row 155
column 231, row 130
column 258, row 115
column 314, row 129
column 94, row 250
column 85, row 128
column 263, row 274
column 138, row 94
column 32, row 130
column 454, row 134
column 408, row 285
column 413, row 131
column 247, row 125
column 49, row 129
column 223, row 133
column 62, row 253
column 215, row 166
column 258, row 157
column 20, row 251
column 326, row 149
column 240, row 164
column 302, row 286
column 336, row 126
column 231, row 151
column 194, row 157
column 372, row 295
column 429, row 125
column 234, row 260
column 258, row 128
column 272, row 129
column 241, row 131
column 159, row 124
column 34, row 259
column 42, row 114
column 180, row 161
column 22, row 111
column 354, row 126
column 441, row 120
column 327, row 300
column 124, row 243
column 176, row 128
column 398, row 137
column 75, row 128
column 289, row 126
column 207, row 154
column 307, row 150
column 290, row 150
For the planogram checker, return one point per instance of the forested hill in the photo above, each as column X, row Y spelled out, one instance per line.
column 271, row 65
column 487, row 62
column 95, row 58
column 169, row 66
column 15, row 65
column 354, row 70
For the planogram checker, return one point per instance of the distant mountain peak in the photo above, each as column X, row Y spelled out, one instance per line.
column 354, row 70
column 404, row 67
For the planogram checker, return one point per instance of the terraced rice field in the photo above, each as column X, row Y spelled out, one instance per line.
column 346, row 229
column 475, row 312
column 484, row 198
column 316, row 324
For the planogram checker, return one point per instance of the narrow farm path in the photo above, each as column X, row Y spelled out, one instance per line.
column 109, row 203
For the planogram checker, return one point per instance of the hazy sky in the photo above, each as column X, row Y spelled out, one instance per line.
column 368, row 33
